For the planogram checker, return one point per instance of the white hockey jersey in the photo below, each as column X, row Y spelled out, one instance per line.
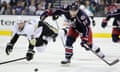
column 27, row 31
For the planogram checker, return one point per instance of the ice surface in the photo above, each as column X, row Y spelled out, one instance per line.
column 49, row 61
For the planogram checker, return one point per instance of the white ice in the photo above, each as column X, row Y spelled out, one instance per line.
column 49, row 61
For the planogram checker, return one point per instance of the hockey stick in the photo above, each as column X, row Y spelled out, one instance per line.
column 5, row 62
column 109, row 63
column 103, row 59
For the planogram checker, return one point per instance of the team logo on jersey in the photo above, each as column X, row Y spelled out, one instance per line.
column 82, row 17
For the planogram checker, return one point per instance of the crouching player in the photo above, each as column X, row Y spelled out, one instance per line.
column 37, row 37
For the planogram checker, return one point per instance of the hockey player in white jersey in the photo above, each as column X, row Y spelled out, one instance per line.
column 37, row 37
column 21, row 28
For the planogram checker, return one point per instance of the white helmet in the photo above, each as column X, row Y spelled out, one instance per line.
column 19, row 20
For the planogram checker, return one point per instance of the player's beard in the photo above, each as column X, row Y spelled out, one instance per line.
column 21, row 28
column 73, row 13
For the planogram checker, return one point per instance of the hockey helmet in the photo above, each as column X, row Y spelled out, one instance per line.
column 19, row 20
column 73, row 6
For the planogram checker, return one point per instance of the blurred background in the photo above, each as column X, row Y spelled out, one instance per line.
column 37, row 7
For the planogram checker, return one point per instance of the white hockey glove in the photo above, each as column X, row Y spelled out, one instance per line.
column 33, row 41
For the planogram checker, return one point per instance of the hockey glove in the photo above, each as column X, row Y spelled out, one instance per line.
column 9, row 48
column 93, row 22
column 55, row 17
column 33, row 42
column 29, row 55
column 54, row 37
column 85, row 44
column 104, row 23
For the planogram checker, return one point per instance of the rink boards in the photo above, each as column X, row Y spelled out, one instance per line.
column 7, row 23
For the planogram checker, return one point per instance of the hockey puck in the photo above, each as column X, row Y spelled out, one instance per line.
column 36, row 69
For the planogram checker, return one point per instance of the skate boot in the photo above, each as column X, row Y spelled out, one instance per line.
column 30, row 54
column 66, row 61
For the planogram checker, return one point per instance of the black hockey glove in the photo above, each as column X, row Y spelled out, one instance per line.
column 104, row 23
column 9, row 48
column 54, row 37
column 55, row 17
column 29, row 55
column 85, row 44
column 93, row 22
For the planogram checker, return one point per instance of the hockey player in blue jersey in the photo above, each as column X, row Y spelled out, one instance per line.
column 114, row 13
column 79, row 25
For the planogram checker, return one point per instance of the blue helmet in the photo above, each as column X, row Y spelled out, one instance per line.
column 73, row 6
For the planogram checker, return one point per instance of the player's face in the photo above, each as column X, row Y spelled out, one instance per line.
column 73, row 13
column 21, row 25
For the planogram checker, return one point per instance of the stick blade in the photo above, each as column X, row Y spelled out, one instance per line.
column 114, row 62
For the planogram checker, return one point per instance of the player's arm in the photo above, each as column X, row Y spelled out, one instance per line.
column 86, row 34
column 12, row 41
column 59, row 12
column 45, row 15
column 54, row 14
column 10, row 45
column 109, row 16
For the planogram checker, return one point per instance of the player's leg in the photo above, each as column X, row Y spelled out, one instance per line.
column 49, row 30
column 116, row 35
column 39, row 42
column 45, row 37
column 71, row 37
column 30, row 52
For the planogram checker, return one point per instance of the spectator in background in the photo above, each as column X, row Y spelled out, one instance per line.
column 0, row 4
column 26, row 11
column 5, row 8
column 79, row 2
column 42, row 2
column 49, row 4
column 18, row 9
column 90, row 6
column 27, row 2
column 100, row 10
column 7, row 1
column 32, row 7
column 39, row 10
column 13, row 3
column 8, row 10
column 110, row 6
column 86, row 10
